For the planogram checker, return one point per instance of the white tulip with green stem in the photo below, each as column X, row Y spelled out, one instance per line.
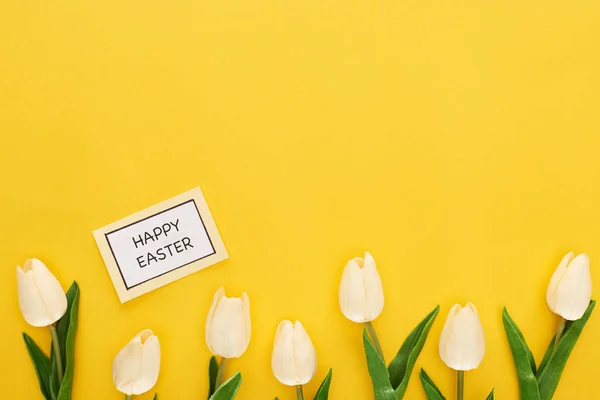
column 569, row 296
column 44, row 303
column 294, row 359
column 137, row 366
column 227, row 335
column 361, row 301
column 461, row 347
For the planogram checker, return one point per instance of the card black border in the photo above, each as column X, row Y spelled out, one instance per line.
column 152, row 216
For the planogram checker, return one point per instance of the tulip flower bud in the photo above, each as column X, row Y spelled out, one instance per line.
column 228, row 325
column 294, row 360
column 41, row 298
column 462, row 343
column 570, row 288
column 361, row 292
column 136, row 367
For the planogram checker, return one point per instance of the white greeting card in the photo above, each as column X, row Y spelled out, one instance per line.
column 160, row 244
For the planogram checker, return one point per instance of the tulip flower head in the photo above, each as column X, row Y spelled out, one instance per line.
column 136, row 367
column 294, row 360
column 41, row 298
column 462, row 342
column 570, row 288
column 361, row 291
column 228, row 325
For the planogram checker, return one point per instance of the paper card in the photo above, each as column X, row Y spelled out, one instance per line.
column 160, row 244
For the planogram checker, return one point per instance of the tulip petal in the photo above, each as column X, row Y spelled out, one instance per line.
column 127, row 367
column 373, row 289
column 52, row 293
column 283, row 362
column 229, row 337
column 247, row 321
column 32, row 307
column 472, row 338
column 462, row 342
column 572, row 294
column 150, row 366
column 555, row 280
column 220, row 293
column 304, row 354
column 352, row 294
column 448, row 347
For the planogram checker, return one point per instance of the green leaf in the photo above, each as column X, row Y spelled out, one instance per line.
column 155, row 396
column 549, row 377
column 229, row 388
column 431, row 390
column 68, row 326
column 379, row 374
column 522, row 358
column 547, row 355
column 41, row 364
column 490, row 396
column 402, row 365
column 530, row 357
column 213, row 368
column 323, row 392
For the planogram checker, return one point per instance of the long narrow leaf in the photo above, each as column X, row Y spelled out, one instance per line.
column 69, row 361
column 41, row 364
column 213, row 369
column 549, row 377
column 379, row 373
column 522, row 358
column 402, row 365
column 229, row 388
column 530, row 357
column 323, row 392
column 431, row 390
column 547, row 355
column 490, row 396
column 155, row 396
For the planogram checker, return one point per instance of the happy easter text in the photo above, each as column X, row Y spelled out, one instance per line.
column 158, row 233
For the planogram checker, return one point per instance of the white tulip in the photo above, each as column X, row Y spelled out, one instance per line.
column 228, row 325
column 462, row 343
column 361, row 292
column 41, row 298
column 294, row 360
column 136, row 367
column 570, row 288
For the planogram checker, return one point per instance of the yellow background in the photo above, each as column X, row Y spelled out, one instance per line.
column 456, row 141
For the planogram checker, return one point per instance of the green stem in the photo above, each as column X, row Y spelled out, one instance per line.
column 220, row 372
column 299, row 393
column 57, row 354
column 128, row 397
column 461, row 385
column 375, row 339
column 559, row 331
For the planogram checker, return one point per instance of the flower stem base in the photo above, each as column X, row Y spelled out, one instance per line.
column 460, row 387
column 220, row 372
column 299, row 393
column 559, row 330
column 375, row 339
column 57, row 354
